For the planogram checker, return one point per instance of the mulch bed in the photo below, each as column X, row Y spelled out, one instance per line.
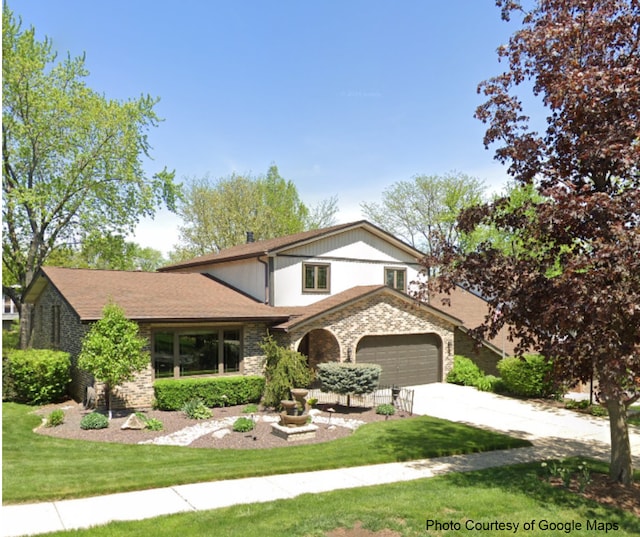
column 260, row 438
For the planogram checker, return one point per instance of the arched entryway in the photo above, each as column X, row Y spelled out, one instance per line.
column 319, row 346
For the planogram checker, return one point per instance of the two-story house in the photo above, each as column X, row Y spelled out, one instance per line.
column 339, row 293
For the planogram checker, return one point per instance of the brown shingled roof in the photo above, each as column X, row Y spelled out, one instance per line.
column 152, row 296
column 260, row 248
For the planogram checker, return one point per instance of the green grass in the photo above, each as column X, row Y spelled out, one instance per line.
column 509, row 495
column 42, row 468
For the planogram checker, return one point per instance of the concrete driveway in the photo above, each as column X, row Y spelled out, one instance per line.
column 562, row 432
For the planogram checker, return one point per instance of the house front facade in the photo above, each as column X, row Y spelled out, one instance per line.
column 336, row 294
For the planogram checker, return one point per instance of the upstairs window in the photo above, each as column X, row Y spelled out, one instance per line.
column 315, row 278
column 396, row 278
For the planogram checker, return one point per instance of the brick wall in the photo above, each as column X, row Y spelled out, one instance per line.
column 379, row 314
column 71, row 333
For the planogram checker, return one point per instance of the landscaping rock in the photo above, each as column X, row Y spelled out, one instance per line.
column 134, row 422
column 221, row 433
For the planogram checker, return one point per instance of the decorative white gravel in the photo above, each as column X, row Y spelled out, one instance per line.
column 186, row 436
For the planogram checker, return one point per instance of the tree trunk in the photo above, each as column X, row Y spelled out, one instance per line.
column 621, row 469
column 25, row 325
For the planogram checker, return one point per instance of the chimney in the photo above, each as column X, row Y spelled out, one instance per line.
column 250, row 237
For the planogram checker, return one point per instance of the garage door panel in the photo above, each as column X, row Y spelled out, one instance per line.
column 405, row 359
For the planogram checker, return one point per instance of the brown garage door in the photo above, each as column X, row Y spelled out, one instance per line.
column 406, row 360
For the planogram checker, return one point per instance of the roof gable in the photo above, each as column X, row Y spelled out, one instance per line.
column 302, row 315
column 277, row 245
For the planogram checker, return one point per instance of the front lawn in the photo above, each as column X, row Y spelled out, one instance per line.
column 475, row 501
column 40, row 468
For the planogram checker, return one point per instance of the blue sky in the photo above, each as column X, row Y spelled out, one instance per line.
column 346, row 97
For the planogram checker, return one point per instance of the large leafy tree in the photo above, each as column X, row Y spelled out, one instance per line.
column 218, row 214
column 71, row 158
column 425, row 208
column 571, row 290
column 107, row 252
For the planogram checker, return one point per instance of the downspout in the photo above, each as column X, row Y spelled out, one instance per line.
column 266, row 280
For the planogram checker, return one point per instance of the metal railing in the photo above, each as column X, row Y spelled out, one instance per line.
column 401, row 398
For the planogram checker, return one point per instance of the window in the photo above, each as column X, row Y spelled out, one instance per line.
column 315, row 278
column 396, row 278
column 196, row 352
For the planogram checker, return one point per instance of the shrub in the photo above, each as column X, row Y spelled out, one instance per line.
column 152, row 424
column 95, row 420
column 172, row 394
column 38, row 376
column 348, row 379
column 250, row 409
column 386, row 410
column 55, row 418
column 243, row 425
column 196, row 410
column 464, row 372
column 527, row 377
column 284, row 369
column 488, row 383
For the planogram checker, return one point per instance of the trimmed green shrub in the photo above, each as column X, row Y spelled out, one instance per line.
column 386, row 410
column 38, row 376
column 527, row 377
column 197, row 410
column 243, row 425
column 55, row 418
column 349, row 379
column 250, row 409
column 95, row 420
column 284, row 369
column 465, row 372
column 172, row 394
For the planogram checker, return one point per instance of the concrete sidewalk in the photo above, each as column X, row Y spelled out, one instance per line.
column 555, row 433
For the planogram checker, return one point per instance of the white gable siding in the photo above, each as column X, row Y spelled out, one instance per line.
column 247, row 275
column 356, row 257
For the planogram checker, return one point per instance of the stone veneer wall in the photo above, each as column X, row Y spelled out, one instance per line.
column 379, row 314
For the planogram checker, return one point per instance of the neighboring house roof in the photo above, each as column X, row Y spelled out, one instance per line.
column 302, row 315
column 274, row 246
column 473, row 309
column 151, row 296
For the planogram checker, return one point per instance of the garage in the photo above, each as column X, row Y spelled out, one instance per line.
column 406, row 359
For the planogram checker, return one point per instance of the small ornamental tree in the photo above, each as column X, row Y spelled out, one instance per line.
column 348, row 379
column 112, row 351
column 284, row 369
